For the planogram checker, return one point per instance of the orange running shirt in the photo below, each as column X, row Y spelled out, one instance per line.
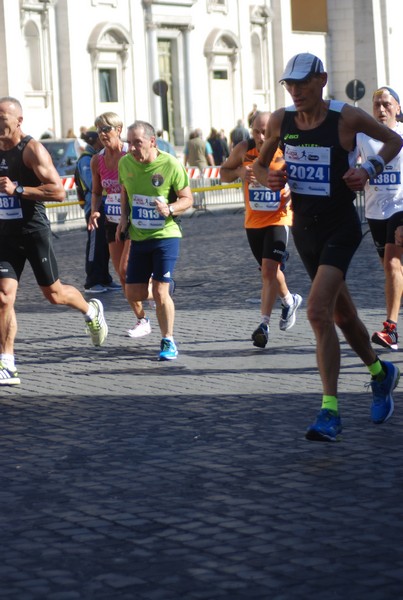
column 262, row 206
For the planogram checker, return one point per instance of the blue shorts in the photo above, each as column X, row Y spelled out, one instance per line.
column 152, row 257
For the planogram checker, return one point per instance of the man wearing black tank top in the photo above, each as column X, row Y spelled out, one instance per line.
column 318, row 139
column 27, row 180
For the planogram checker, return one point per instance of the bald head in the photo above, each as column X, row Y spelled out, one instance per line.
column 12, row 101
column 10, row 121
column 259, row 125
column 386, row 106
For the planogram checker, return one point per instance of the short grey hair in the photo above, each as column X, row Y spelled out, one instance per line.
column 11, row 100
column 148, row 129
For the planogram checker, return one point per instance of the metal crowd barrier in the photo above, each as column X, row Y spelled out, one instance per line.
column 68, row 211
column 207, row 188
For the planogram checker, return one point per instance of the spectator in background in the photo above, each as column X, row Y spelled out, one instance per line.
column 239, row 134
column 252, row 115
column 47, row 134
column 98, row 278
column 163, row 144
column 198, row 153
column 80, row 141
column 218, row 146
column 225, row 141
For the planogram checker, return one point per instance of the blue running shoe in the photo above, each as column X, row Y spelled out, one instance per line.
column 113, row 286
column 382, row 399
column 169, row 350
column 327, row 427
column 260, row 336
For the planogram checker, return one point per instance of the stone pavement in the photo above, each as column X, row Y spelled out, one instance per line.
column 125, row 478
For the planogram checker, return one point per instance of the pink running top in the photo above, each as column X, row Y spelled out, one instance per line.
column 110, row 183
column 110, row 179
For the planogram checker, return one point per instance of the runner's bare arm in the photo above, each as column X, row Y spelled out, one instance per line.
column 261, row 164
column 38, row 159
column 233, row 167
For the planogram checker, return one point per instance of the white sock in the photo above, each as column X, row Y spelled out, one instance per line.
column 8, row 361
column 90, row 314
column 288, row 300
column 265, row 319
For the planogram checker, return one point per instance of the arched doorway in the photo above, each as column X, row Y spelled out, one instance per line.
column 221, row 50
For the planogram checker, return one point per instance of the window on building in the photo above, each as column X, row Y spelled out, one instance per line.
column 309, row 15
column 33, row 57
column 217, row 5
column 257, row 62
column 108, row 85
column 165, row 52
column 220, row 74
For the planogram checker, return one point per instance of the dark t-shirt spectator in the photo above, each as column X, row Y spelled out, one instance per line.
column 239, row 134
column 219, row 147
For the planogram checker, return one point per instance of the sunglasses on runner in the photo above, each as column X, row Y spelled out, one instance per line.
column 105, row 129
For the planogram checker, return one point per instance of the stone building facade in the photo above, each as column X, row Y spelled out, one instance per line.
column 183, row 64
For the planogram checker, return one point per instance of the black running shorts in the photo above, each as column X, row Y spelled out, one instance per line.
column 268, row 242
column 383, row 231
column 327, row 241
column 36, row 248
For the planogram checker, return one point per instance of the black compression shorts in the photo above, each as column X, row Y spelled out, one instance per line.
column 383, row 231
column 327, row 241
column 36, row 248
column 110, row 232
column 268, row 242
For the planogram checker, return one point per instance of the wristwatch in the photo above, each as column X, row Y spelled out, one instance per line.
column 171, row 210
column 19, row 190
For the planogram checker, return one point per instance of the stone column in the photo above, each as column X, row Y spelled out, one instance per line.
column 153, row 69
column 188, row 77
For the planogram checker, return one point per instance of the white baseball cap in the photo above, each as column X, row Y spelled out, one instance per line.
column 301, row 66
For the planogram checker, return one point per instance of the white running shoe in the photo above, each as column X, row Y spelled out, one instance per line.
column 288, row 313
column 8, row 377
column 141, row 328
column 97, row 328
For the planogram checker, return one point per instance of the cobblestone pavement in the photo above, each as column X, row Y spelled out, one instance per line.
column 125, row 478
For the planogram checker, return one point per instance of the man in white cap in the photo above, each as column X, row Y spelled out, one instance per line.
column 318, row 137
column 384, row 211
